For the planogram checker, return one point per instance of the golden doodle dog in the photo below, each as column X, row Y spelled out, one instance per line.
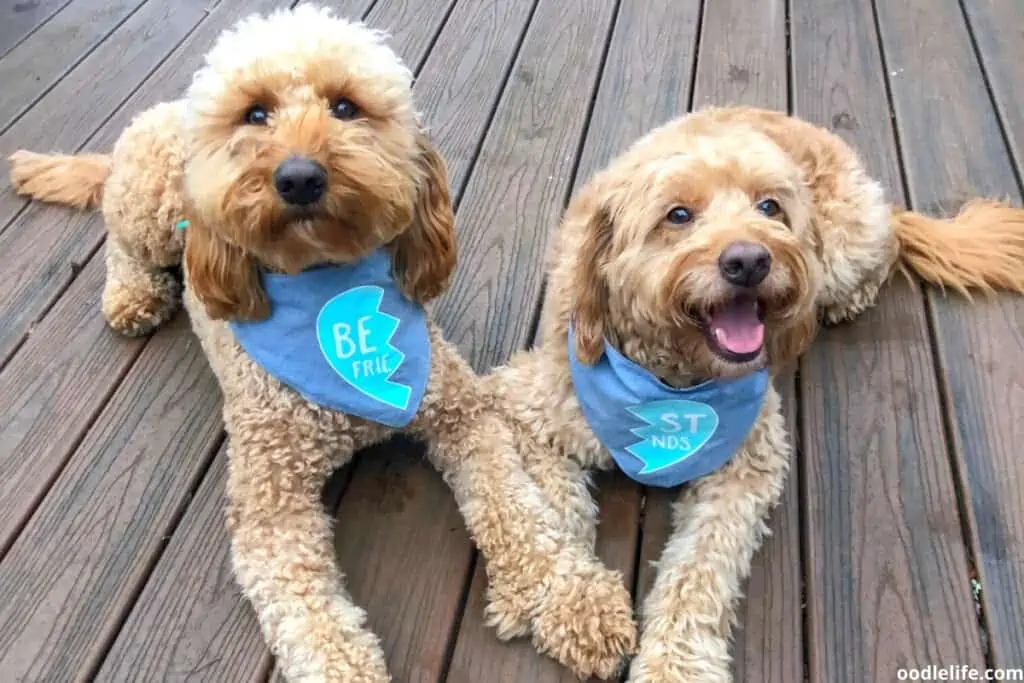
column 685, row 275
column 313, row 220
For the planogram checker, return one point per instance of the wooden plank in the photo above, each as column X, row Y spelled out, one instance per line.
column 995, row 27
column 20, row 18
column 32, row 68
column 462, row 78
column 191, row 622
column 406, row 554
column 650, row 60
column 742, row 60
column 419, row 525
column 877, row 473
column 412, row 24
column 769, row 643
column 953, row 148
column 70, row 577
column 50, row 393
column 517, row 190
column 659, row 36
column 70, row 113
column 742, row 55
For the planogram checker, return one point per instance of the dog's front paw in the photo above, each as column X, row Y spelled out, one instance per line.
column 585, row 621
column 507, row 611
column 359, row 660
column 671, row 653
column 325, row 656
column 140, row 307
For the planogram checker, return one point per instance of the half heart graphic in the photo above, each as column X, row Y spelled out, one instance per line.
column 674, row 430
column 355, row 338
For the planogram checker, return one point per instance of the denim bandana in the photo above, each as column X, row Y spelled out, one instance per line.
column 346, row 338
column 659, row 435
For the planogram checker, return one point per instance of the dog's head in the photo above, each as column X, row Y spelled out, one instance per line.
column 303, row 148
column 693, row 252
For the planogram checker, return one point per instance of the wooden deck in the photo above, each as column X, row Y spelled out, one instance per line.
column 907, row 494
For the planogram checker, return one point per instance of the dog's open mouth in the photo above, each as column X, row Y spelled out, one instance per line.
column 735, row 328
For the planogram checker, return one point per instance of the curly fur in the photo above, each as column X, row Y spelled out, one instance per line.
column 197, row 159
column 619, row 271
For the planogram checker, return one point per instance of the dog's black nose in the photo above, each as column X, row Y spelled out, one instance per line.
column 299, row 181
column 745, row 264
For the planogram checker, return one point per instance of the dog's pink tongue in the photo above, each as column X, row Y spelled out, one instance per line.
column 736, row 326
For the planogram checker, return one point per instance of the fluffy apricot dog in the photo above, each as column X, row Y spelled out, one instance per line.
column 313, row 220
column 684, row 277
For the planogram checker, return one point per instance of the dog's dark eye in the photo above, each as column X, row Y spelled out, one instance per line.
column 344, row 109
column 256, row 116
column 680, row 215
column 769, row 208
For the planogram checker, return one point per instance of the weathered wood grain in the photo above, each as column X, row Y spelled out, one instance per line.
column 645, row 81
column 412, row 24
column 50, row 393
column 20, row 18
column 996, row 28
column 70, row 577
column 516, row 192
column 742, row 56
column 34, row 66
column 887, row 576
column 953, row 148
column 191, row 622
column 83, row 99
column 462, row 79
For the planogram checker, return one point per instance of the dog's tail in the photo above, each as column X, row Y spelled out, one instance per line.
column 982, row 248
column 60, row 178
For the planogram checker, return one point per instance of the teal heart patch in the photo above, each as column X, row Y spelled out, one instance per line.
column 355, row 338
column 675, row 430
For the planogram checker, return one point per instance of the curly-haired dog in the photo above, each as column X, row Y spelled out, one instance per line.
column 314, row 221
column 684, row 276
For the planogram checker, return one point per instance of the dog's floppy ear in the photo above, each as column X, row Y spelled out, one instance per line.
column 424, row 254
column 589, row 287
column 223, row 276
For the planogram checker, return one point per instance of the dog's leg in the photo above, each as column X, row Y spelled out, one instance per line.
column 566, row 485
column 540, row 418
column 137, row 297
column 718, row 525
column 556, row 444
column 580, row 612
column 282, row 544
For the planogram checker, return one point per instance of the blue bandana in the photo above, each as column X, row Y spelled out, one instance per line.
column 658, row 435
column 346, row 338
